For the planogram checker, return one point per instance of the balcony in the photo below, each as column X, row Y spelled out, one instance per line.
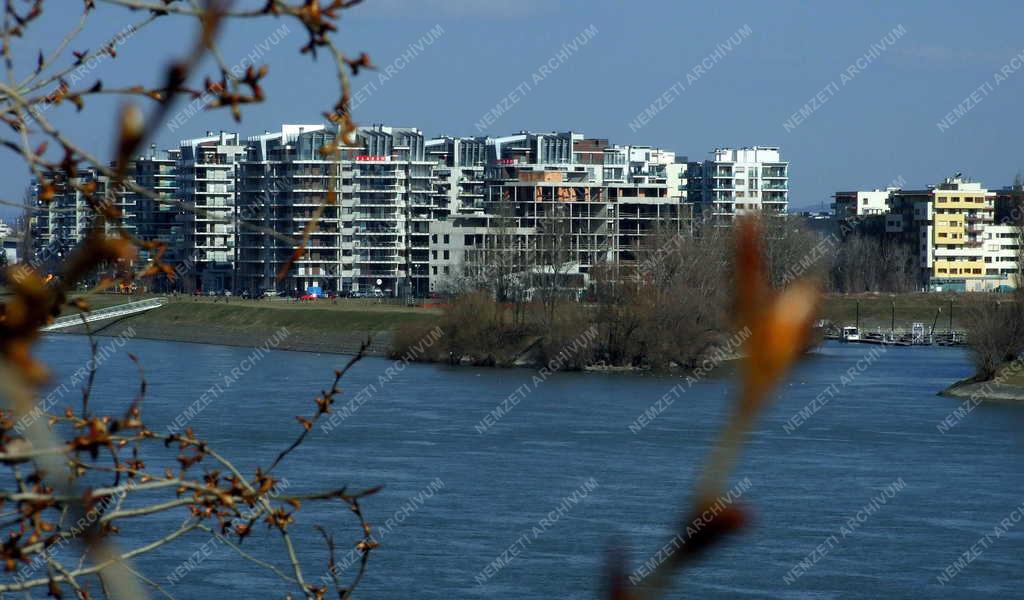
column 379, row 260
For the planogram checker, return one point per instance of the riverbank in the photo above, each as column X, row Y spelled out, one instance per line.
column 876, row 310
column 307, row 327
column 324, row 326
column 1007, row 385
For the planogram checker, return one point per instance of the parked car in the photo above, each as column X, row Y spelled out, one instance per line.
column 378, row 293
column 270, row 293
column 227, row 293
column 310, row 297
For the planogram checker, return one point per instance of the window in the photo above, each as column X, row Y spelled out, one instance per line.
column 433, row 270
column 446, row 256
column 433, row 254
column 446, row 270
column 433, row 238
column 446, row 240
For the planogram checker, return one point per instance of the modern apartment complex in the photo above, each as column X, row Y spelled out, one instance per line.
column 408, row 214
column 556, row 205
column 158, row 221
column 60, row 223
column 374, row 236
column 734, row 181
column 958, row 244
column 205, row 176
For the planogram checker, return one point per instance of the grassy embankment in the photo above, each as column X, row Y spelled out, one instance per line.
column 327, row 327
column 876, row 310
column 312, row 326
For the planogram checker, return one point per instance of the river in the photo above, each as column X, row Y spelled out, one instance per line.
column 864, row 487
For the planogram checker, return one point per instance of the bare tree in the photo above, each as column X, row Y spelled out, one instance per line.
column 553, row 259
column 787, row 244
column 67, row 474
column 685, row 295
column 862, row 263
column 995, row 334
column 996, row 327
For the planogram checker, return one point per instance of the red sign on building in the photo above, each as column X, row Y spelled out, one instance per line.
column 371, row 158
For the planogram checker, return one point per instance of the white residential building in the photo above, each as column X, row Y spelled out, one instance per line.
column 375, row 236
column 734, row 181
column 205, row 175
column 459, row 172
column 61, row 222
column 1002, row 253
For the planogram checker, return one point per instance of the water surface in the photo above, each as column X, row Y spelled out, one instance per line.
column 494, row 488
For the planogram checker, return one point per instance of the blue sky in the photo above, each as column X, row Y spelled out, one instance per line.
column 877, row 124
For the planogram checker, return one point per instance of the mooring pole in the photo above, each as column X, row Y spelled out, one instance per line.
column 858, row 315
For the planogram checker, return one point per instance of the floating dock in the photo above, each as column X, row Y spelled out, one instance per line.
column 918, row 336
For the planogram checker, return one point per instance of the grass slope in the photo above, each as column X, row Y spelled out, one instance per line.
column 876, row 309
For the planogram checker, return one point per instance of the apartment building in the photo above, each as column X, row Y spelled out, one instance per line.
column 850, row 205
column 283, row 181
column 458, row 172
column 374, row 237
column 957, row 242
column 205, row 180
column 393, row 202
column 948, row 221
column 1002, row 253
column 59, row 223
column 558, row 204
column 735, row 181
column 409, row 212
column 156, row 220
